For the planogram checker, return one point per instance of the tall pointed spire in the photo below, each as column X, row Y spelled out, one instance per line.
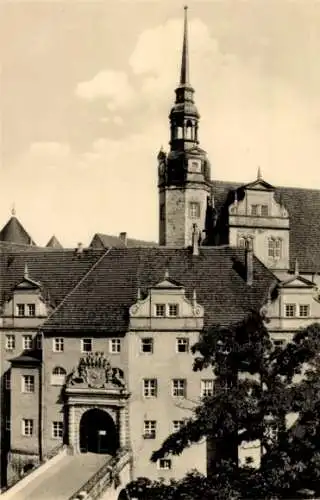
column 184, row 76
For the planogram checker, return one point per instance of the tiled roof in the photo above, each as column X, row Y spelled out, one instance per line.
column 106, row 241
column 14, row 232
column 53, row 242
column 102, row 300
column 303, row 206
column 57, row 271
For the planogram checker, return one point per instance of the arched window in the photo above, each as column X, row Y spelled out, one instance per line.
column 242, row 242
column 58, row 376
column 274, row 248
column 189, row 130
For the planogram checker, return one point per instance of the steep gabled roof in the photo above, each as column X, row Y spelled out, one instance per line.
column 53, row 242
column 106, row 241
column 101, row 301
column 14, row 232
column 303, row 206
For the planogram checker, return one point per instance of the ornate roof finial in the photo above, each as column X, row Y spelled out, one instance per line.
column 26, row 271
column 139, row 293
column 194, row 296
column 184, row 75
column 259, row 174
column 296, row 268
column 13, row 210
column 166, row 274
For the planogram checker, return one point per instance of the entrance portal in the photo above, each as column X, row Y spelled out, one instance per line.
column 98, row 432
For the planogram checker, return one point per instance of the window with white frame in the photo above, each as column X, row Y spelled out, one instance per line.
column 7, row 380
column 21, row 309
column 164, row 464
column 160, row 310
column 304, row 310
column 182, row 344
column 27, row 383
column 149, row 429
column 7, row 424
column 86, row 345
column 58, row 344
column 274, row 248
column 26, row 342
column 150, row 388
column 254, row 210
column 31, row 308
column 194, row 210
column 58, row 376
column 115, row 346
column 176, row 425
column 173, row 310
column 147, row 345
column 206, row 388
column 179, row 386
column 57, row 430
column 10, row 342
column 290, row 310
column 264, row 210
column 27, row 427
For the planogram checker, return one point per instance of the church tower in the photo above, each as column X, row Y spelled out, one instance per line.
column 183, row 173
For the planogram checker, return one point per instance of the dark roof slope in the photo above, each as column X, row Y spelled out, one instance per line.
column 102, row 300
column 57, row 271
column 106, row 241
column 303, row 206
column 14, row 232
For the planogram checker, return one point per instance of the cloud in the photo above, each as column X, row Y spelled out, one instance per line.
column 114, row 86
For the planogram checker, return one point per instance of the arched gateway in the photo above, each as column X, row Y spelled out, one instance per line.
column 97, row 402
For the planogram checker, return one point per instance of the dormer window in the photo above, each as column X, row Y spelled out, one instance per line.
column 274, row 248
column 173, row 310
column 21, row 309
column 304, row 310
column 259, row 210
column 264, row 210
column 31, row 308
column 160, row 310
column 254, row 210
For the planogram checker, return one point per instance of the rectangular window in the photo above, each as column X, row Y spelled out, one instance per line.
column 206, row 388
column 173, row 310
column 290, row 310
column 8, row 424
column 160, row 310
column 278, row 342
column 304, row 310
column 264, row 210
column 21, row 309
column 10, row 342
column 254, row 210
column 58, row 344
column 31, row 309
column 115, row 346
column 26, row 342
column 176, row 425
column 164, row 464
column 27, row 427
column 149, row 429
column 194, row 210
column 86, row 345
column 7, row 381
column 57, row 430
column 182, row 345
column 147, row 345
column 179, row 388
column 27, row 383
column 150, row 388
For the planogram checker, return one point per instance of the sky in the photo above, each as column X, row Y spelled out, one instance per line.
column 86, row 88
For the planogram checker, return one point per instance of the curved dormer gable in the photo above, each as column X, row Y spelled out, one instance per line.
column 255, row 213
column 166, row 307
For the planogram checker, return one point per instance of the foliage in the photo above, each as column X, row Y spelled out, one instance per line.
column 257, row 386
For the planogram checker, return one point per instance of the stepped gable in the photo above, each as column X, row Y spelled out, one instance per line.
column 14, row 232
column 101, row 301
column 54, row 243
column 303, row 206
column 57, row 271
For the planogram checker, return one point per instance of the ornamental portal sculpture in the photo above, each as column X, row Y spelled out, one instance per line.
column 95, row 371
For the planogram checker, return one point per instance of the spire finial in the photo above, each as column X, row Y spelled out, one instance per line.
column 26, row 271
column 296, row 268
column 259, row 174
column 13, row 210
column 184, row 76
column 166, row 274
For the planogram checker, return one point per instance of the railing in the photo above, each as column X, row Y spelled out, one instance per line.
column 105, row 477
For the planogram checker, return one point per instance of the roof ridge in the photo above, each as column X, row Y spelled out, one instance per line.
column 84, row 277
column 240, row 184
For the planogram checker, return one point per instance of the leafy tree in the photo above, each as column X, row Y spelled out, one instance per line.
column 257, row 386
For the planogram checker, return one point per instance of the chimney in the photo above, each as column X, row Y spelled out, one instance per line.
column 249, row 262
column 195, row 240
column 123, row 238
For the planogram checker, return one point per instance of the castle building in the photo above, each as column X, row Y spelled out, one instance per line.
column 95, row 342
